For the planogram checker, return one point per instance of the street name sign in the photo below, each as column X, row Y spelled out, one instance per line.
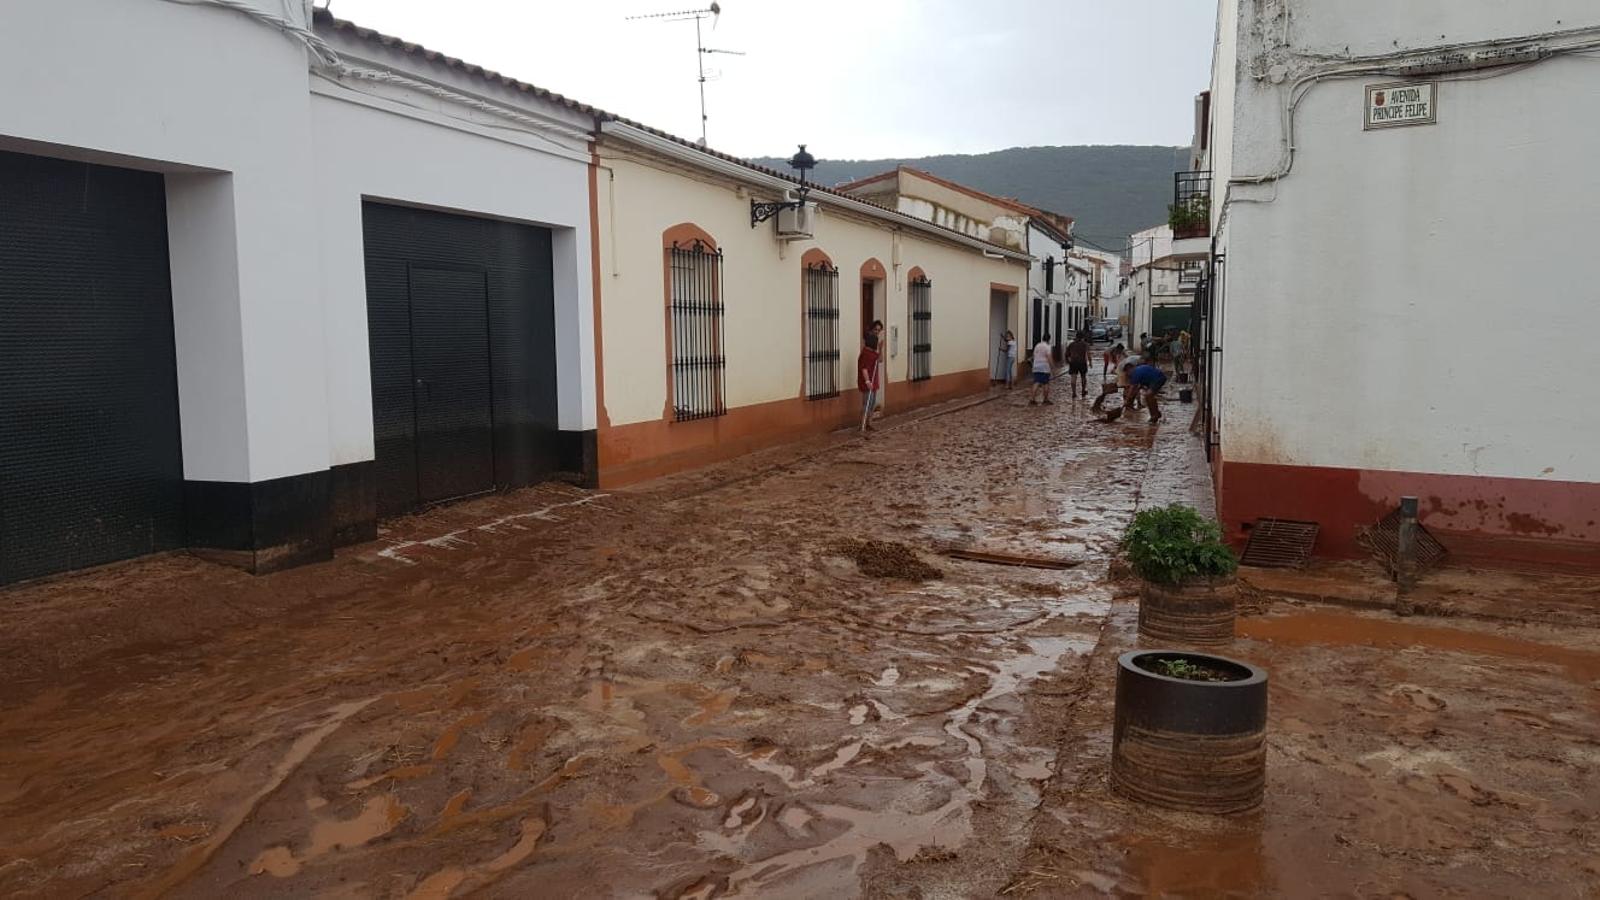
column 1401, row 103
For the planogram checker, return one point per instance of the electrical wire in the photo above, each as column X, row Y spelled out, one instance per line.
column 318, row 47
column 1386, row 64
column 330, row 66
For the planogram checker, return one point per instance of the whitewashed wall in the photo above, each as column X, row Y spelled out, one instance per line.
column 1414, row 298
column 208, row 93
column 641, row 198
column 385, row 145
column 266, row 166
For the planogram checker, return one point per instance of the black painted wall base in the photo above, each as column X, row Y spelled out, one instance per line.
column 580, row 454
column 285, row 522
column 263, row 526
column 353, row 494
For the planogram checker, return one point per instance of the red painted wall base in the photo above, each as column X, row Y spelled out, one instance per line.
column 1514, row 522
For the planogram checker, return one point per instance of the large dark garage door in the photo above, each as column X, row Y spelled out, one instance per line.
column 90, row 461
column 461, row 320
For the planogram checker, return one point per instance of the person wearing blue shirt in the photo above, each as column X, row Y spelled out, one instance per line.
column 1144, row 382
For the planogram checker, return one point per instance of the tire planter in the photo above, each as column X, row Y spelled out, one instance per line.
column 1199, row 612
column 1195, row 746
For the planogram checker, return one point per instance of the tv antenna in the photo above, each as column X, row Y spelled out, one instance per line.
column 701, row 50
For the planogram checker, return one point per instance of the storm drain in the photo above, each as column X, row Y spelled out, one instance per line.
column 1383, row 539
column 1280, row 544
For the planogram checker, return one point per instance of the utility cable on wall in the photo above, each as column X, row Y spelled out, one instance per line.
column 1466, row 61
column 330, row 66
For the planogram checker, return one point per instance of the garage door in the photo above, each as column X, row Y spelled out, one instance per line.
column 461, row 321
column 90, row 462
column 1163, row 318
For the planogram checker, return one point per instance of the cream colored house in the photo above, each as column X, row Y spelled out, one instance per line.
column 717, row 336
column 1046, row 236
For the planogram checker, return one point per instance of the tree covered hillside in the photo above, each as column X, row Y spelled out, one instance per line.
column 1112, row 191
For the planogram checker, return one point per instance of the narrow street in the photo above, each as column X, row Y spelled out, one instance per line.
column 688, row 689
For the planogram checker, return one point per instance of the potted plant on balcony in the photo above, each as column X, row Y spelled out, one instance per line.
column 1190, row 731
column 1190, row 218
column 1187, row 594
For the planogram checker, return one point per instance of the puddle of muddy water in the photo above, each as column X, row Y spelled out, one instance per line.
column 1322, row 627
column 831, row 868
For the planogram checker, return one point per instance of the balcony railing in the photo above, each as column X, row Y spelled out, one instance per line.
column 1190, row 213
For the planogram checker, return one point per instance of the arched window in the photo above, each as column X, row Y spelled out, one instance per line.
column 693, row 273
column 819, row 297
column 919, row 291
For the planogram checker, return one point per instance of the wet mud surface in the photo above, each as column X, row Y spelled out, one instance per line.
column 694, row 689
column 683, row 690
column 1418, row 757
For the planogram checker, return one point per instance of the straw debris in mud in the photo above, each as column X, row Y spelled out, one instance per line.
column 886, row 559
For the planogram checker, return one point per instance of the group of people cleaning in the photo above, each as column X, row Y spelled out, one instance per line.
column 1140, row 381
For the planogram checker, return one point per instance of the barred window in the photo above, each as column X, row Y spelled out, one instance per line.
column 822, row 330
column 698, row 365
column 921, row 290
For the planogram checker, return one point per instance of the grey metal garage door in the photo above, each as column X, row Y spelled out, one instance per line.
column 461, row 323
column 91, row 465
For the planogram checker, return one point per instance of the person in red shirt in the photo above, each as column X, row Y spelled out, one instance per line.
column 867, row 379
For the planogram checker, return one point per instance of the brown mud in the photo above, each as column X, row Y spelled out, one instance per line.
column 686, row 690
column 1423, row 757
column 678, row 690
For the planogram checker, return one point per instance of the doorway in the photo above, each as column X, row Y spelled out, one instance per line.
column 874, row 308
column 91, row 463
column 461, row 330
column 999, row 314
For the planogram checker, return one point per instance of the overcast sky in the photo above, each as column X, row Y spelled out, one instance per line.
column 851, row 78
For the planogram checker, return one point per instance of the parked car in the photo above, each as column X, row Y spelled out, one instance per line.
column 1097, row 332
column 1113, row 328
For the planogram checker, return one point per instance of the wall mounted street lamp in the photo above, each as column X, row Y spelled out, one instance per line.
column 801, row 162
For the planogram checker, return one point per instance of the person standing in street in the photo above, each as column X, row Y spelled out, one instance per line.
column 1043, row 368
column 1011, row 360
column 1144, row 382
column 1078, row 365
column 867, row 380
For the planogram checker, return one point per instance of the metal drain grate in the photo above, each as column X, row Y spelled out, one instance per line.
column 1383, row 539
column 1280, row 544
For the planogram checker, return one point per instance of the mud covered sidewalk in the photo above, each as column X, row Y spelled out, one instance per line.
column 689, row 689
column 1454, row 753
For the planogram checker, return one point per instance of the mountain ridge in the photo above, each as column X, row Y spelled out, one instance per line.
column 1110, row 190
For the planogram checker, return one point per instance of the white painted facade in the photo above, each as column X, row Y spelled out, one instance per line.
column 1366, row 325
column 267, row 158
column 646, row 189
column 1165, row 274
column 374, row 142
column 1053, row 293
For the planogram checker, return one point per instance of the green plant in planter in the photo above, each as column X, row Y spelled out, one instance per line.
column 1191, row 213
column 1171, row 544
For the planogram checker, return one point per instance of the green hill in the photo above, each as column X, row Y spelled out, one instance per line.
column 1112, row 191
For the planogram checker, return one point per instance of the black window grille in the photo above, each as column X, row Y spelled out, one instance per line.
column 822, row 331
column 698, row 366
column 921, row 329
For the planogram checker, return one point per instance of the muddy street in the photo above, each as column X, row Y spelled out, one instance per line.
column 687, row 689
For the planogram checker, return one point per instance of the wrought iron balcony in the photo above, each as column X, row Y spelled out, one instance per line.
column 1190, row 212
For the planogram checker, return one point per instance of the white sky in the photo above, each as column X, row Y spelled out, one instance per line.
column 851, row 78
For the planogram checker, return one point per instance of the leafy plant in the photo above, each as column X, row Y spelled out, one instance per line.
column 1178, row 668
column 1187, row 670
column 1171, row 544
column 1194, row 212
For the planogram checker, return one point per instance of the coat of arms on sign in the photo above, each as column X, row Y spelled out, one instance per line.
column 1377, row 98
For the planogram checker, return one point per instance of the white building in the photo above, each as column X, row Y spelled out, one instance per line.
column 1166, row 273
column 1364, row 157
column 1058, row 297
column 266, row 276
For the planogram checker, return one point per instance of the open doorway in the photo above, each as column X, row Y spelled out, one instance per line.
column 874, row 303
column 999, row 315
